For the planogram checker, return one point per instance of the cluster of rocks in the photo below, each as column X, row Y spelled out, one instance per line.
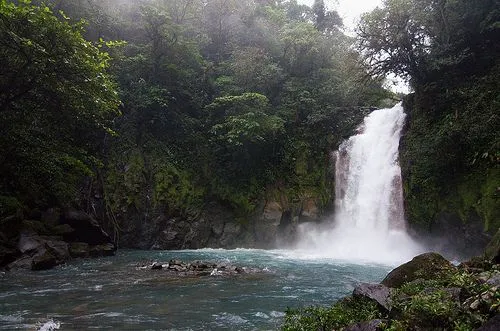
column 51, row 240
column 199, row 268
column 418, row 272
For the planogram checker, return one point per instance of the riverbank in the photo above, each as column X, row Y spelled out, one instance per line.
column 426, row 293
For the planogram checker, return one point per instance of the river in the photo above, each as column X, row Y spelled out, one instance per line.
column 113, row 294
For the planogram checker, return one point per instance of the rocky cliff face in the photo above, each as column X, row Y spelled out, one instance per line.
column 451, row 201
column 217, row 226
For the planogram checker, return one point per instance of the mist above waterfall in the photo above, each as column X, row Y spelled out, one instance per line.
column 369, row 223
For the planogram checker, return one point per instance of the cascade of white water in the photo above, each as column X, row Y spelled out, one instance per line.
column 369, row 221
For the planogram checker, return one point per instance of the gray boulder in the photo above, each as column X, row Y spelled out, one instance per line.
column 40, row 253
column 372, row 325
column 379, row 293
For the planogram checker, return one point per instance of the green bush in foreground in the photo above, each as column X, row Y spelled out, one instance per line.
column 343, row 313
column 458, row 300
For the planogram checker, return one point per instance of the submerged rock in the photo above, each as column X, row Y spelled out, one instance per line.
column 425, row 266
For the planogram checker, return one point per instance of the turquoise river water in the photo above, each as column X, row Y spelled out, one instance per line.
column 112, row 293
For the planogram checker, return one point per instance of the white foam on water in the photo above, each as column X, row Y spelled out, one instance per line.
column 49, row 325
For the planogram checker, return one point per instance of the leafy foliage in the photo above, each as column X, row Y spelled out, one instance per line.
column 56, row 103
column 344, row 313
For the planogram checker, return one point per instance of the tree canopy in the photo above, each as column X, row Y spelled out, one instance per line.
column 225, row 100
column 56, row 101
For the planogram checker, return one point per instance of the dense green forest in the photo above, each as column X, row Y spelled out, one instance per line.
column 158, row 107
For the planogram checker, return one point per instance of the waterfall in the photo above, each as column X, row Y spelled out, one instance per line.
column 369, row 223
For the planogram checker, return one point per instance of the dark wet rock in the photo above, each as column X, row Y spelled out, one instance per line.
column 493, row 324
column 156, row 266
column 379, row 293
column 372, row 325
column 29, row 242
column 79, row 249
column 107, row 249
column 43, row 260
column 425, row 266
column 59, row 249
column 43, row 241
column 177, row 268
column 40, row 252
column 36, row 227
column 231, row 232
column 51, row 217
column 217, row 229
column 64, row 230
column 492, row 251
column 24, row 262
column 8, row 254
column 86, row 228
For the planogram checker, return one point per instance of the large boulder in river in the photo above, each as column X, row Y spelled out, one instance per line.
column 40, row 252
column 424, row 266
column 86, row 228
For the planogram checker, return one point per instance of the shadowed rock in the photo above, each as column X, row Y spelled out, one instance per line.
column 86, row 228
column 493, row 324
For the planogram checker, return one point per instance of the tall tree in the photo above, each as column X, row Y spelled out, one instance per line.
column 56, row 103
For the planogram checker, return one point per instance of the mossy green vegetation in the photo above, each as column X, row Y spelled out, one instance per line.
column 343, row 313
column 459, row 299
column 451, row 169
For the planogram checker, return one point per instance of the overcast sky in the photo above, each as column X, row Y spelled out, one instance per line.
column 349, row 10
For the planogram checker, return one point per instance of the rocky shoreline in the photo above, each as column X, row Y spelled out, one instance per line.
column 426, row 293
column 53, row 239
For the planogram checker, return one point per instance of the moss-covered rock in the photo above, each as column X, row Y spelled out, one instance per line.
column 450, row 170
column 442, row 297
column 424, row 266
